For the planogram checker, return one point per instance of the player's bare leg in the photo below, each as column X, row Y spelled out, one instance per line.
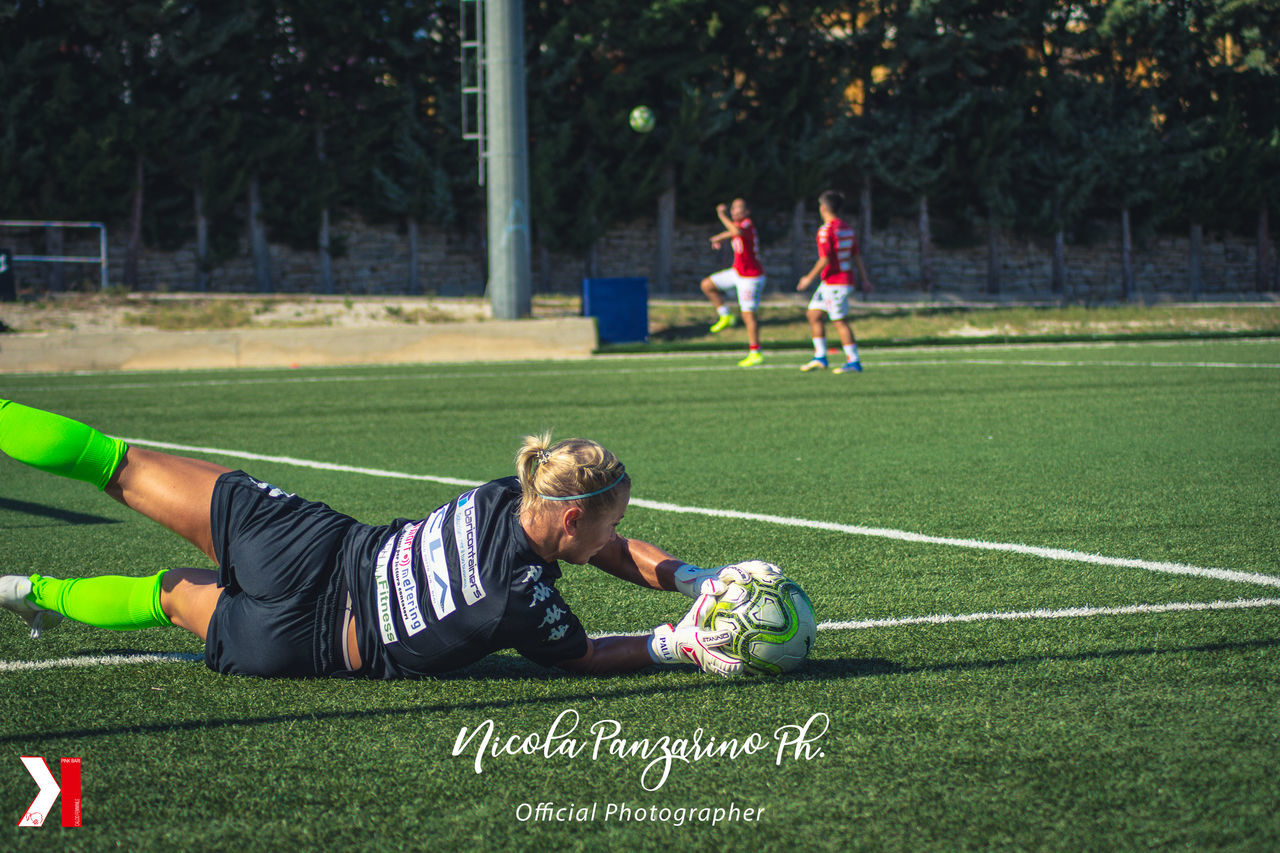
column 188, row 597
column 753, row 329
column 174, row 491
column 717, row 301
column 850, row 346
column 818, row 330
column 817, row 322
column 712, row 292
column 845, row 331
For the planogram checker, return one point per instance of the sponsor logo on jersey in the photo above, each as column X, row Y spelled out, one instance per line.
column 382, row 583
column 436, row 565
column 272, row 491
column 552, row 616
column 406, row 586
column 464, row 537
column 531, row 574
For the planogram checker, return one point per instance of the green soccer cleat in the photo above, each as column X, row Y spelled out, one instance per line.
column 723, row 323
column 14, row 590
column 753, row 359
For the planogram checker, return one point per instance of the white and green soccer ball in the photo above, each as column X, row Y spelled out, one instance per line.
column 642, row 119
column 772, row 621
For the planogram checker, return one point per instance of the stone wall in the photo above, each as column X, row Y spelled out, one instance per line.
column 453, row 263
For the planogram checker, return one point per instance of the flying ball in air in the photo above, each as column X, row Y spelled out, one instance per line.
column 642, row 120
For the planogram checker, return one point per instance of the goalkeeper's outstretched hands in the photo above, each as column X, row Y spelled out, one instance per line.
column 685, row 642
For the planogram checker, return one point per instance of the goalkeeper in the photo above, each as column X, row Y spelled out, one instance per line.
column 301, row 590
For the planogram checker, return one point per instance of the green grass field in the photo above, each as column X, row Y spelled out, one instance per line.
column 1095, row 530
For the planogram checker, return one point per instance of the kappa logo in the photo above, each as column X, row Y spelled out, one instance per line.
column 272, row 491
column 541, row 592
column 38, row 811
column 552, row 616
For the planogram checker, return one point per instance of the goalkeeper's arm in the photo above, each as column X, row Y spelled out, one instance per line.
column 650, row 566
column 666, row 644
column 612, row 655
column 638, row 562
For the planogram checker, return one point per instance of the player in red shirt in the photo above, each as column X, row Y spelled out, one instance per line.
column 746, row 276
column 838, row 256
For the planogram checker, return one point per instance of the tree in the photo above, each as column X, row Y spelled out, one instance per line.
column 416, row 156
column 1126, row 134
column 1062, row 164
column 914, row 109
column 205, row 160
column 59, row 152
column 804, row 127
column 1249, row 68
column 989, row 151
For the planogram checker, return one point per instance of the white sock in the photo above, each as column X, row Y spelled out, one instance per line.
column 819, row 347
column 851, row 351
column 724, row 311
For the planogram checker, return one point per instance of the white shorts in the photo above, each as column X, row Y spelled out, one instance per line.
column 832, row 298
column 748, row 287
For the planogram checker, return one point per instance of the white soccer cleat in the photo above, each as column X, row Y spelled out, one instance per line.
column 14, row 590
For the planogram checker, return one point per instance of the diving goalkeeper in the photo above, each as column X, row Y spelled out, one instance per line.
column 301, row 590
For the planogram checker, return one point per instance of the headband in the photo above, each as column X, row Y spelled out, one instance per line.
column 621, row 477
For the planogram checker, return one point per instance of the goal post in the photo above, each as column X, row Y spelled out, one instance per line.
column 99, row 259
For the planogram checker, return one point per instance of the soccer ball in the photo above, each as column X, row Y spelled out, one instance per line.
column 772, row 621
column 642, row 120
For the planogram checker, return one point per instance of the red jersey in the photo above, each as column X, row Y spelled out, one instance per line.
column 745, row 262
column 837, row 244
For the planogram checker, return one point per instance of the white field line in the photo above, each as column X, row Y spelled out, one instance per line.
column 1022, row 362
column 305, row 463
column 1064, row 613
column 851, row 529
column 1010, row 547
column 98, row 660
column 1023, row 615
column 727, row 367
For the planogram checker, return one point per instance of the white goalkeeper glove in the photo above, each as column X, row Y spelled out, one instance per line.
column 690, row 578
column 687, row 643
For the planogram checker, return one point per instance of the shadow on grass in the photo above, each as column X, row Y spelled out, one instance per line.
column 508, row 668
column 63, row 515
column 826, row 670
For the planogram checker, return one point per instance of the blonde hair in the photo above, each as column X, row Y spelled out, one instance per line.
column 560, row 472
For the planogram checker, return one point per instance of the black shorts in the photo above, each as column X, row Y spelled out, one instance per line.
column 284, row 597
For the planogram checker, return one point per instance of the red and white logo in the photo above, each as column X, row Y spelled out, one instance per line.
column 38, row 811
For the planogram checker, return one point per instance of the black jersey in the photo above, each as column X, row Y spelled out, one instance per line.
column 439, row 593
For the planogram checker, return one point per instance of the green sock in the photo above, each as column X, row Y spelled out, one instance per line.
column 118, row 603
column 58, row 445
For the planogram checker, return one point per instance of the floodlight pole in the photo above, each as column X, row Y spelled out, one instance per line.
column 508, row 160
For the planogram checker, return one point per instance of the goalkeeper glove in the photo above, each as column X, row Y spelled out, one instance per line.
column 690, row 578
column 687, row 643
